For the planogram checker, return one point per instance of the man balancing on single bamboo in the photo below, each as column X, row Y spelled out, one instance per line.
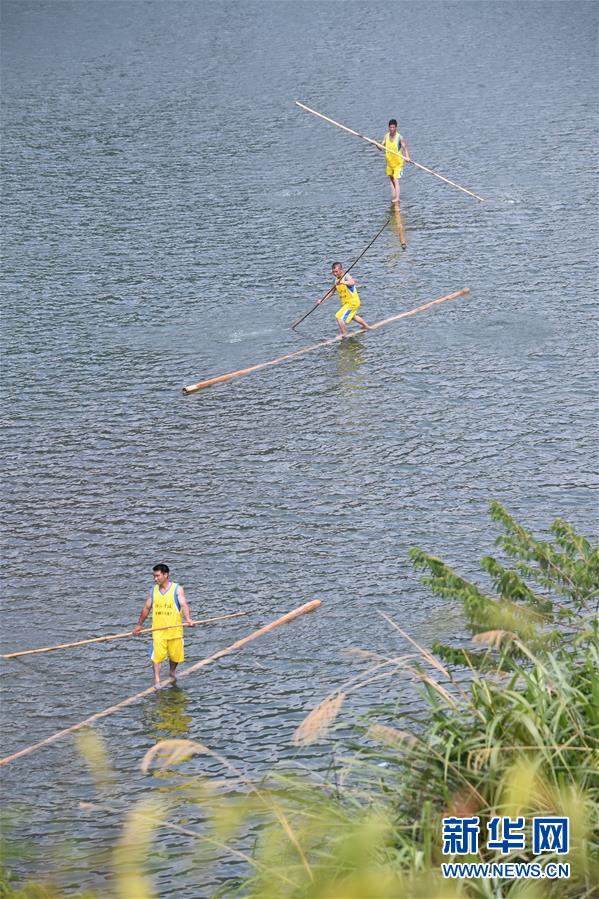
column 167, row 601
column 394, row 142
column 350, row 300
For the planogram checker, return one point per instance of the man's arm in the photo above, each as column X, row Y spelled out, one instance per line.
column 184, row 606
column 327, row 295
column 347, row 279
column 404, row 147
column 143, row 615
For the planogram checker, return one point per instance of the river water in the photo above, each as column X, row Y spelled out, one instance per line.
column 167, row 213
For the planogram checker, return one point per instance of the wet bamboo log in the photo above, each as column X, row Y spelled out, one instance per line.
column 229, row 376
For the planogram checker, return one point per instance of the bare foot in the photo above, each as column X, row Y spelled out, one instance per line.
column 365, row 327
column 157, row 685
column 404, row 245
column 173, row 677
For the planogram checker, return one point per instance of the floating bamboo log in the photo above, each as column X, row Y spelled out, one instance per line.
column 220, row 379
column 146, row 630
column 375, row 143
column 285, row 619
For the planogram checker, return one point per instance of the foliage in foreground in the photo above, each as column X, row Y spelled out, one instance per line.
column 511, row 729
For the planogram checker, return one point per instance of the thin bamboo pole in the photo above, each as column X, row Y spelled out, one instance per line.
column 220, row 379
column 285, row 619
column 146, row 630
column 375, row 143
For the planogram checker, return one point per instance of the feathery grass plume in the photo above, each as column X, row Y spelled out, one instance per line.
column 391, row 735
column 93, row 749
column 316, row 725
column 134, row 848
column 579, row 807
column 170, row 752
column 521, row 789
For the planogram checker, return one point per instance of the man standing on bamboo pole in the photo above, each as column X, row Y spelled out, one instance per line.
column 167, row 601
column 395, row 143
column 349, row 298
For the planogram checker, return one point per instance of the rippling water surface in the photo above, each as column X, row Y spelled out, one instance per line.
column 168, row 212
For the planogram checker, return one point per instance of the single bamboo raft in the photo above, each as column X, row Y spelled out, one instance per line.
column 145, row 630
column 220, row 379
column 290, row 616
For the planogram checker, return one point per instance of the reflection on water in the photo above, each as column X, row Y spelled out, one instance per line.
column 396, row 225
column 349, row 360
column 166, row 716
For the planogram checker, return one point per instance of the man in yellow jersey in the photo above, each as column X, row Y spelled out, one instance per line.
column 394, row 142
column 350, row 300
column 168, row 604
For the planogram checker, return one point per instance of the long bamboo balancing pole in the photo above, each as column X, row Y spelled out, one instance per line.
column 375, row 143
column 220, row 379
column 145, row 630
column 285, row 619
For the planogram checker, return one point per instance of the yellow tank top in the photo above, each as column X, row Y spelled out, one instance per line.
column 166, row 611
column 395, row 162
column 348, row 295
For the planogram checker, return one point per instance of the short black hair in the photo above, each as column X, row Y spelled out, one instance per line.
column 393, row 122
column 335, row 264
column 161, row 567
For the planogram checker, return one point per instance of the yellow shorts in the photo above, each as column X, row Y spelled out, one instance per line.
column 164, row 649
column 395, row 172
column 346, row 313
